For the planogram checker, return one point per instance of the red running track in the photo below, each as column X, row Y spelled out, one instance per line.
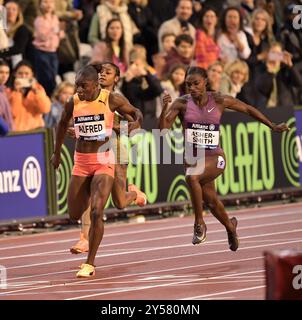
column 154, row 260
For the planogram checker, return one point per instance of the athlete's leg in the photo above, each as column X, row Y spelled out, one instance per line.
column 121, row 198
column 216, row 206
column 218, row 211
column 200, row 229
column 78, row 196
column 215, row 166
column 101, row 186
column 196, row 197
column 82, row 244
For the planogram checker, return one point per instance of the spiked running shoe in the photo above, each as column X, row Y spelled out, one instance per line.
column 86, row 271
column 141, row 198
column 81, row 246
column 233, row 236
column 199, row 234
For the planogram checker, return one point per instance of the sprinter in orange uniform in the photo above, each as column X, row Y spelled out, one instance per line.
column 92, row 110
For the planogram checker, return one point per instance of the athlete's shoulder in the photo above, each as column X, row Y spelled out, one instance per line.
column 118, row 98
column 217, row 96
column 183, row 100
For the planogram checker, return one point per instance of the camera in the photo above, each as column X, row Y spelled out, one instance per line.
column 25, row 82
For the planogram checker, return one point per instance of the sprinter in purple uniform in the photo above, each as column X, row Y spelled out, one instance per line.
column 200, row 113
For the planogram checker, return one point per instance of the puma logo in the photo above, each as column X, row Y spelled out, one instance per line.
column 211, row 109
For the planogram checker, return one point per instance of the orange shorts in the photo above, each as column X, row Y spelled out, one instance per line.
column 90, row 164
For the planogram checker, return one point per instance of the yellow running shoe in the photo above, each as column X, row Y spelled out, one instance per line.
column 141, row 198
column 86, row 271
column 81, row 246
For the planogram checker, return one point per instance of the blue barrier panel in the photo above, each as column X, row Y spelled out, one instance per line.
column 23, row 186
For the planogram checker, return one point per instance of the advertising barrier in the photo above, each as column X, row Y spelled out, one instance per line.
column 25, row 189
column 257, row 159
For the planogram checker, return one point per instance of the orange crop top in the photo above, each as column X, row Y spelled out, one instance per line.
column 93, row 120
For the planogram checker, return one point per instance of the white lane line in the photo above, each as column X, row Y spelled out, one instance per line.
column 145, row 250
column 125, row 263
column 144, row 231
column 162, row 221
column 224, row 292
column 162, row 270
column 177, row 283
column 131, row 287
column 151, row 240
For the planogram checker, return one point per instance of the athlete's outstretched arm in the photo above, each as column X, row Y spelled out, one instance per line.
column 237, row 105
column 122, row 105
column 169, row 114
column 61, row 131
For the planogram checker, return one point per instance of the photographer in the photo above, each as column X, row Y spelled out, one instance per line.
column 276, row 82
column 140, row 85
column 28, row 99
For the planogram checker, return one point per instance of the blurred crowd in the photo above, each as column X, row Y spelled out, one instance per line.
column 252, row 50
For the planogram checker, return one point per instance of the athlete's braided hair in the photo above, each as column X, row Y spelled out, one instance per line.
column 200, row 71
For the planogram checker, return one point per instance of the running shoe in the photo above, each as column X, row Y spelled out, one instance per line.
column 86, row 271
column 81, row 246
column 199, row 233
column 141, row 198
column 233, row 236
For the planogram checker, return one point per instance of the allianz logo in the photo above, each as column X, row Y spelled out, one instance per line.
column 12, row 181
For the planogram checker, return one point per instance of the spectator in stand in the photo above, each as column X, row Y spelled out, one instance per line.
column 182, row 53
column 215, row 71
column 197, row 11
column 88, row 7
column 140, row 85
column 162, row 10
column 114, row 47
column 174, row 85
column 47, row 37
column 5, row 108
column 19, row 36
column 180, row 23
column 30, row 10
column 232, row 41
column 68, row 50
column 107, row 11
column 275, row 12
column 277, row 79
column 159, row 59
column 236, row 74
column 143, row 19
column 206, row 49
column 28, row 99
column 247, row 8
column 62, row 93
column 3, row 36
column 260, row 37
column 291, row 39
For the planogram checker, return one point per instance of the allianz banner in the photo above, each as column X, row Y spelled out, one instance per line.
column 257, row 159
column 23, row 185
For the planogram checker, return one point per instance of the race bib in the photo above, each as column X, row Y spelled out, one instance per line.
column 204, row 136
column 90, row 128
